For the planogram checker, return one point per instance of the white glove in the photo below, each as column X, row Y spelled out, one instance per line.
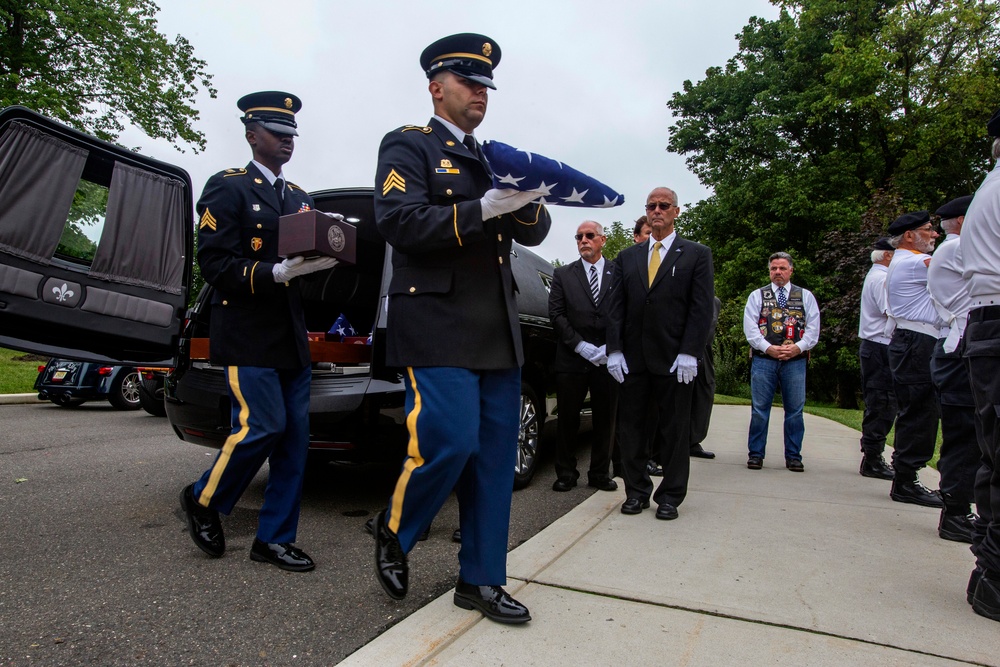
column 335, row 216
column 617, row 366
column 603, row 359
column 498, row 202
column 686, row 367
column 590, row 352
column 293, row 267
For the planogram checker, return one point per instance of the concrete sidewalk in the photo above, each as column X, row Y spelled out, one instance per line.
column 762, row 567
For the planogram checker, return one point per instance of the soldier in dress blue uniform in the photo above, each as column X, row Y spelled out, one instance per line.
column 258, row 333
column 453, row 326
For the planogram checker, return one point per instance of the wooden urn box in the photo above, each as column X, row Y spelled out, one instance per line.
column 312, row 234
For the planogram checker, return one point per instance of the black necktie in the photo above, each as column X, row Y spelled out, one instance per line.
column 470, row 143
column 594, row 289
column 279, row 189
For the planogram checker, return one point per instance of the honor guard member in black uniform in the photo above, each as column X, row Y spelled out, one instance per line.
column 453, row 327
column 258, row 333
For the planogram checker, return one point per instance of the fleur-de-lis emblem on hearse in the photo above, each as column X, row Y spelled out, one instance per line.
column 62, row 293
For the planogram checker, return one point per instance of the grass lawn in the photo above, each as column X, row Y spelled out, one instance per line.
column 18, row 371
column 849, row 418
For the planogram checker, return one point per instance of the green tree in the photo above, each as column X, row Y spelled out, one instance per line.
column 619, row 238
column 97, row 64
column 823, row 115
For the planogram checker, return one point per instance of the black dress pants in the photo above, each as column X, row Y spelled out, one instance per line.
column 571, row 390
column 959, row 446
column 981, row 350
column 879, row 398
column 917, row 418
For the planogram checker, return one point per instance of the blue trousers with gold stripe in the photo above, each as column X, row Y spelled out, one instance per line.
column 270, row 422
column 463, row 436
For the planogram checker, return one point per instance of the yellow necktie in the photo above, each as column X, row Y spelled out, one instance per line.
column 654, row 262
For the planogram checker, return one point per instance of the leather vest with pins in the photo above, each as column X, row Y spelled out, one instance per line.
column 778, row 325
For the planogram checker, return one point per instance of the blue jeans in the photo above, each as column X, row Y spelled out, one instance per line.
column 766, row 376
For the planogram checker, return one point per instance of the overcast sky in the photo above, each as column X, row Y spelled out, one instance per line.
column 583, row 82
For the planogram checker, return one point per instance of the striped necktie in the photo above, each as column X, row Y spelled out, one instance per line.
column 654, row 262
column 594, row 289
column 782, row 299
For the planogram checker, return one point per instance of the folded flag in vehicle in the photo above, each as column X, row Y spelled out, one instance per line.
column 558, row 183
column 342, row 328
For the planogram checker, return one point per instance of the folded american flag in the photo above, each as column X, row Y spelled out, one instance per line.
column 558, row 183
column 342, row 328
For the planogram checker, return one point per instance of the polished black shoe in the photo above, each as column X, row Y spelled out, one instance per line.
column 391, row 568
column 653, row 469
column 795, row 465
column 986, row 598
column 666, row 512
column 370, row 529
column 563, row 484
column 974, row 578
column 634, row 506
column 876, row 468
column 755, row 463
column 699, row 452
column 603, row 484
column 203, row 524
column 956, row 527
column 492, row 601
column 284, row 555
column 457, row 536
column 915, row 493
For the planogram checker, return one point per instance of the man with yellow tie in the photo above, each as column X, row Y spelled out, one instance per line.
column 660, row 312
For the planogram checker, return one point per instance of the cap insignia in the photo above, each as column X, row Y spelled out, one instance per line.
column 487, row 49
column 288, row 102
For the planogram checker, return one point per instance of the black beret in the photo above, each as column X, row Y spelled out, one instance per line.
column 273, row 109
column 954, row 208
column 908, row 221
column 993, row 126
column 883, row 244
column 467, row 54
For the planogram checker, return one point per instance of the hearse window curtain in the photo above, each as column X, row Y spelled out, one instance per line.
column 143, row 238
column 38, row 178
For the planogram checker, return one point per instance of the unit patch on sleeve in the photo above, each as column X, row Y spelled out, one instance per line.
column 393, row 180
column 207, row 220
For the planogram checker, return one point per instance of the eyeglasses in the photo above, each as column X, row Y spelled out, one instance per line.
column 590, row 236
column 666, row 206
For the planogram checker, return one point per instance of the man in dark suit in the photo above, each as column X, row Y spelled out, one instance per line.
column 258, row 333
column 453, row 327
column 578, row 310
column 660, row 316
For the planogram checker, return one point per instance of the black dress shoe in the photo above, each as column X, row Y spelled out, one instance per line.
column 699, row 452
column 391, row 568
column 370, row 529
column 563, row 484
column 203, row 524
column 974, row 578
column 653, row 469
column 634, row 506
column 914, row 492
column 284, row 555
column 493, row 601
column 795, row 465
column 956, row 527
column 666, row 512
column 876, row 468
column 457, row 536
column 755, row 463
column 986, row 598
column 603, row 484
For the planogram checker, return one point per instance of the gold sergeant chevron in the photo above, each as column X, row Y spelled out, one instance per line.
column 393, row 180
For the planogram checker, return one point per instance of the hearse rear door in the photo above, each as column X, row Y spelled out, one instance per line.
column 95, row 246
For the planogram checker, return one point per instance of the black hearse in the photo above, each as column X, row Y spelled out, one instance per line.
column 122, row 297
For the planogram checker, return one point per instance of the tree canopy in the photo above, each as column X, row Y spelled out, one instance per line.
column 96, row 64
column 823, row 116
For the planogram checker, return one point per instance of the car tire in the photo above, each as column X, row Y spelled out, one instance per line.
column 148, row 400
column 124, row 394
column 528, row 437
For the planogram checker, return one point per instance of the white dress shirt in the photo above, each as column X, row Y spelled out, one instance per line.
column 980, row 243
column 949, row 290
column 599, row 264
column 906, row 285
column 875, row 325
column 751, row 315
